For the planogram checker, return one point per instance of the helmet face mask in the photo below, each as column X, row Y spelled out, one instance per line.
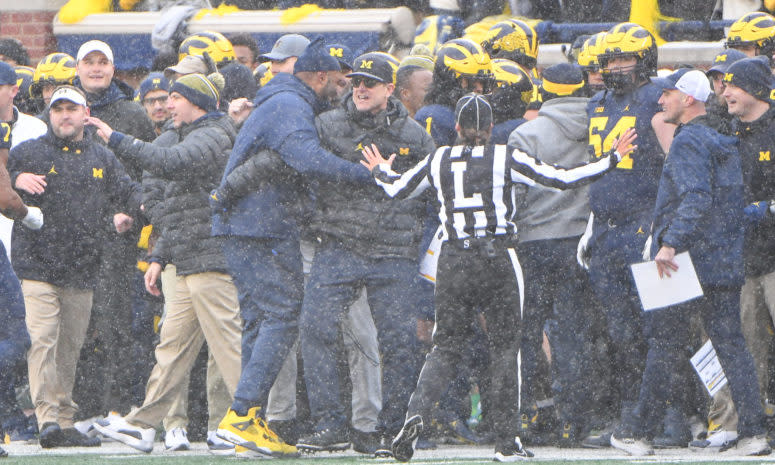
column 630, row 42
column 512, row 92
column 462, row 66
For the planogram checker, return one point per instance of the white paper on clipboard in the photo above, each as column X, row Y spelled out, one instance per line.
column 430, row 261
column 656, row 292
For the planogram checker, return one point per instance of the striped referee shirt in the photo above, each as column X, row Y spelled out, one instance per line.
column 474, row 185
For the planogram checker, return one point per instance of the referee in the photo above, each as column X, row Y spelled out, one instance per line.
column 478, row 267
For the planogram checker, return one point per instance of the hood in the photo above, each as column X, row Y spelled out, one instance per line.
column 285, row 82
column 728, row 142
column 570, row 114
column 117, row 90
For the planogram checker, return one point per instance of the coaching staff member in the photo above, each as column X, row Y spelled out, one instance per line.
column 84, row 184
column 699, row 208
column 478, row 267
column 262, row 244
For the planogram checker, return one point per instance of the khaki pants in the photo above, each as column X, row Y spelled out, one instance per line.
column 204, row 308
column 757, row 313
column 57, row 319
column 218, row 397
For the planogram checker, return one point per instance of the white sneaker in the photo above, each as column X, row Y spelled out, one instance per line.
column 751, row 445
column 116, row 427
column 636, row 447
column 176, row 439
column 717, row 441
column 218, row 446
column 86, row 427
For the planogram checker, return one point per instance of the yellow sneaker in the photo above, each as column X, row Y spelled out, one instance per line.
column 251, row 432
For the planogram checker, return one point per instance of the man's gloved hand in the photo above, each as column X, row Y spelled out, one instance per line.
column 756, row 212
column 34, row 218
column 647, row 249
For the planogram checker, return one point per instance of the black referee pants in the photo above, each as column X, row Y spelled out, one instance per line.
column 469, row 281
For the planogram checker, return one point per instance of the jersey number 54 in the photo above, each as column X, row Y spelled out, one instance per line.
column 597, row 124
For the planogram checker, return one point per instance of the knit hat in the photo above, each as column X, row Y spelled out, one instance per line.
column 154, row 81
column 343, row 53
column 13, row 49
column 203, row 91
column 753, row 75
column 473, row 112
column 562, row 79
column 7, row 74
column 724, row 60
column 419, row 57
column 238, row 82
column 316, row 58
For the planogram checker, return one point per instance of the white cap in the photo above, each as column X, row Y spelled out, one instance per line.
column 694, row 83
column 94, row 46
column 67, row 93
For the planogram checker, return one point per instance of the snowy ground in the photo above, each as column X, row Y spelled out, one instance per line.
column 110, row 452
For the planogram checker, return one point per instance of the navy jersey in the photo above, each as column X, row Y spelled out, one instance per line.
column 473, row 185
column 439, row 121
column 631, row 189
column 502, row 131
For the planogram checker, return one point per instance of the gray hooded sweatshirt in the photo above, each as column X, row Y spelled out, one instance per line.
column 558, row 136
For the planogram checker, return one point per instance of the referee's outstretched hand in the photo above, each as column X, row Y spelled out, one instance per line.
column 373, row 158
column 623, row 144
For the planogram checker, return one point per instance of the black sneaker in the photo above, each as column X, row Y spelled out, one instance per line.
column 364, row 442
column 286, row 429
column 3, row 453
column 384, row 448
column 71, row 437
column 330, row 440
column 511, row 451
column 404, row 442
column 50, row 435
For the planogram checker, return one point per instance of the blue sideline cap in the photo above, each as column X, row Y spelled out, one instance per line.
column 7, row 74
column 316, row 58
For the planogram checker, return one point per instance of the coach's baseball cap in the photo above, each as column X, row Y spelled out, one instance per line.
column 692, row 82
column 289, row 45
column 69, row 93
column 189, row 64
column 7, row 74
column 724, row 60
column 94, row 46
column 473, row 112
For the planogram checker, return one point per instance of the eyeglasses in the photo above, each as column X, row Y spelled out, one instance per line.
column 366, row 81
column 155, row 100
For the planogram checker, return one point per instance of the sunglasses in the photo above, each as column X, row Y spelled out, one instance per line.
column 368, row 82
column 155, row 100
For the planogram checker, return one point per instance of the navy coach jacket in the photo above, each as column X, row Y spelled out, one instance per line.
column 283, row 121
column 700, row 203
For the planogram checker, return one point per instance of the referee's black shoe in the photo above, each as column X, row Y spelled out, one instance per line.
column 403, row 443
column 3, row 453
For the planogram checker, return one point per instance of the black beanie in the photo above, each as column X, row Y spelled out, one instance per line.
column 753, row 75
